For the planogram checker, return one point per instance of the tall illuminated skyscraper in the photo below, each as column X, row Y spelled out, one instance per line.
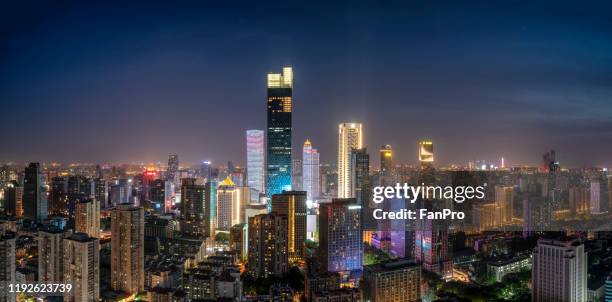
column 127, row 248
column 279, row 107
column 426, row 154
column 559, row 271
column 87, row 218
column 255, row 160
column 82, row 267
column 350, row 136
column 310, row 171
column 386, row 158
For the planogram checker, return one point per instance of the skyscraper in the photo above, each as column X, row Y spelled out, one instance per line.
column 13, row 199
column 386, row 165
column 267, row 235
column 350, row 136
column 310, row 171
column 432, row 248
column 293, row 205
column 360, row 176
column 255, row 160
column 195, row 218
column 340, row 236
column 127, row 248
column 87, row 218
column 173, row 166
column 279, row 107
column 7, row 265
column 426, row 154
column 82, row 267
column 50, row 250
column 34, row 193
column 559, row 271
column 230, row 202
column 504, row 200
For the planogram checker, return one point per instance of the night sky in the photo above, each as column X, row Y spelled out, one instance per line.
column 120, row 82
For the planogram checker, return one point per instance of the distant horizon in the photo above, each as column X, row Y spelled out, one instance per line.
column 123, row 82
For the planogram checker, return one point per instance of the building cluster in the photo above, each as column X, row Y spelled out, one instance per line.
column 286, row 226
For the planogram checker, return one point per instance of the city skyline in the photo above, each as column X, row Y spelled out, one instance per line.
column 515, row 83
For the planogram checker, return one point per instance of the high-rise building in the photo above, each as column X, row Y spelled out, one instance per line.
column 255, row 160
column 34, row 193
column 386, row 165
column 87, row 218
column 579, row 197
column 350, row 136
column 310, row 171
column 58, row 198
column 360, row 175
column 279, row 107
column 13, row 199
column 267, row 246
column 82, row 267
column 432, row 248
column 231, row 200
column 297, row 178
column 127, row 248
column 50, row 251
column 173, row 167
column 293, row 205
column 398, row 280
column 559, row 271
column 101, row 192
column 599, row 196
column 504, row 200
column 426, row 154
column 7, row 265
column 340, row 236
column 207, row 170
column 195, row 218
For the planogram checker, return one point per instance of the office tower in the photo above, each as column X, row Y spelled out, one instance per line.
column 87, row 218
column 579, row 197
column 206, row 170
column 396, row 280
column 432, row 248
column 426, row 159
column 13, row 199
column 58, row 197
column 293, row 205
column 360, row 176
column 231, row 200
column 157, row 196
column 120, row 192
column 195, row 220
column 386, row 165
column 101, row 192
column 599, row 196
column 350, row 136
column 81, row 261
column 504, row 200
column 267, row 247
column 559, row 271
column 169, row 195
column 148, row 180
column 7, row 265
column 340, row 235
column 255, row 160
column 278, row 145
column 173, row 167
column 297, row 178
column 50, row 250
column 310, row 171
column 210, row 199
column 34, row 193
column 127, row 248
column 426, row 154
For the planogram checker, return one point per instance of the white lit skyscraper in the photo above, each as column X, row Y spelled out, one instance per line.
column 255, row 160
column 350, row 136
column 310, row 171
column 127, row 248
